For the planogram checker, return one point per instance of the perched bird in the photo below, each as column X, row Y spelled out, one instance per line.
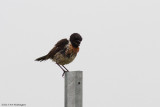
column 64, row 51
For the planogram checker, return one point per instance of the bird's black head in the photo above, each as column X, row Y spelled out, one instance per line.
column 75, row 39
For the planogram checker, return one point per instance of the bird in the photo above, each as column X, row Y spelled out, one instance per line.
column 64, row 51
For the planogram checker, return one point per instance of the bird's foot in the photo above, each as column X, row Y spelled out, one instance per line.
column 63, row 73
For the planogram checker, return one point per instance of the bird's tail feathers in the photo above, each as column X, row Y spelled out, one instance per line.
column 42, row 58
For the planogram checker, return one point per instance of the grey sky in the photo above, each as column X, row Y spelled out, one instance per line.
column 119, row 54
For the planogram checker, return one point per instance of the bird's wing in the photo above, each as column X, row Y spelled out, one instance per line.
column 59, row 46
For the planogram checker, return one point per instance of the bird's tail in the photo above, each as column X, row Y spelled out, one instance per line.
column 42, row 58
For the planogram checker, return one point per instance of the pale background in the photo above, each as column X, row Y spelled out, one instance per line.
column 119, row 54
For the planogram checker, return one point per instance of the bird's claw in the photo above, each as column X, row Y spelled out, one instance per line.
column 63, row 73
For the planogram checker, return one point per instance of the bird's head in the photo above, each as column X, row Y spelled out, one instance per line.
column 75, row 39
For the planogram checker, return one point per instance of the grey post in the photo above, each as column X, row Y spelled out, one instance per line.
column 73, row 89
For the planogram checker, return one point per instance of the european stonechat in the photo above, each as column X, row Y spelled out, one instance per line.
column 64, row 51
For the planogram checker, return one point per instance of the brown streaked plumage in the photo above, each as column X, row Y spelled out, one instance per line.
column 64, row 51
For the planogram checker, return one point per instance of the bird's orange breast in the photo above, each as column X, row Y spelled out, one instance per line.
column 75, row 50
column 72, row 49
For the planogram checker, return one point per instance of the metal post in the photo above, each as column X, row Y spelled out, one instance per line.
column 73, row 89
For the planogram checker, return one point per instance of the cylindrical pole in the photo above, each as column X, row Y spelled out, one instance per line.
column 73, row 89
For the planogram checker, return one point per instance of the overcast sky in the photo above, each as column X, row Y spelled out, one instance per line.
column 119, row 54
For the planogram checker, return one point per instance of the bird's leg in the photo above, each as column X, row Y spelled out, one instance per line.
column 62, row 69
column 65, row 68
